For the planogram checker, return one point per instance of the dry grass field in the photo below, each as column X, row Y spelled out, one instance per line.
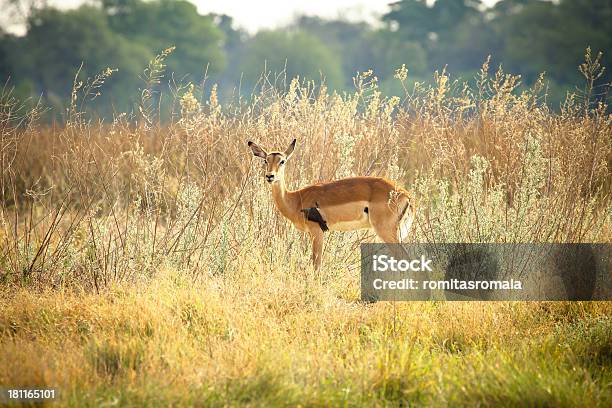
column 144, row 264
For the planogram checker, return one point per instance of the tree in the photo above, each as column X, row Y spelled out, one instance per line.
column 119, row 34
column 543, row 36
column 449, row 32
column 412, row 19
column 299, row 53
column 233, row 37
column 348, row 39
column 160, row 24
column 391, row 52
column 6, row 58
column 57, row 43
column 363, row 48
column 448, row 14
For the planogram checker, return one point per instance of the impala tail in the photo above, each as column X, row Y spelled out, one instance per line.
column 405, row 222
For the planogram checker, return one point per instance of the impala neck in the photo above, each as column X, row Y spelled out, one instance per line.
column 282, row 198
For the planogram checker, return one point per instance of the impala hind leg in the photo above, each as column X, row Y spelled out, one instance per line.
column 386, row 225
column 387, row 228
column 387, row 234
column 393, row 223
column 391, row 233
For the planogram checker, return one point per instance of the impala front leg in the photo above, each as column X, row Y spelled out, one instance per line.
column 317, row 248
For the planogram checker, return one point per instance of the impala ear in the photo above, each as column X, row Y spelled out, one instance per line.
column 290, row 149
column 257, row 150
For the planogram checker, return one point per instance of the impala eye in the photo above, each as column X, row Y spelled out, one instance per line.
column 265, row 161
column 282, row 162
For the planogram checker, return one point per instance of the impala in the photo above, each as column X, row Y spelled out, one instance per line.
column 343, row 205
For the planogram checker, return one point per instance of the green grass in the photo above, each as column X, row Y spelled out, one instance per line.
column 166, row 343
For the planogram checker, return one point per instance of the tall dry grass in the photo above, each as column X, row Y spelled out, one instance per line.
column 91, row 202
column 143, row 262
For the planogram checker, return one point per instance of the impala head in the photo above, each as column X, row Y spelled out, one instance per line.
column 274, row 161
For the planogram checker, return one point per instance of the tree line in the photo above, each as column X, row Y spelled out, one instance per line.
column 61, row 48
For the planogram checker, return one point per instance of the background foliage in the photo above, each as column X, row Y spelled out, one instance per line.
column 527, row 36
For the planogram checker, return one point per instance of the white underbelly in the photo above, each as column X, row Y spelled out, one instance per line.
column 361, row 223
column 347, row 217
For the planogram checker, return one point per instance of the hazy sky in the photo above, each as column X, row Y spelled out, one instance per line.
column 256, row 14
